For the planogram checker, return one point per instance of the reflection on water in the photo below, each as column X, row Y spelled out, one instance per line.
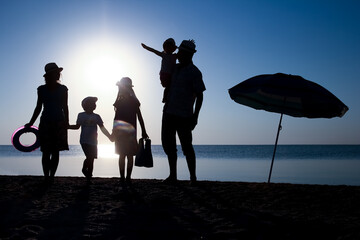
column 296, row 171
column 107, row 151
column 312, row 170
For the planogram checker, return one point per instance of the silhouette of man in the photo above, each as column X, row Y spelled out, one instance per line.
column 179, row 115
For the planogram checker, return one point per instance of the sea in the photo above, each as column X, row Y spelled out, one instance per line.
column 297, row 164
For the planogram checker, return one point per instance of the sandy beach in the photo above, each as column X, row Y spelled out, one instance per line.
column 150, row 209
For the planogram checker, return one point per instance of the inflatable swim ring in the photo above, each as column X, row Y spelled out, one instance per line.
column 15, row 139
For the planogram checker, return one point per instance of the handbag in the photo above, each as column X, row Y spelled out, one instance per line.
column 144, row 156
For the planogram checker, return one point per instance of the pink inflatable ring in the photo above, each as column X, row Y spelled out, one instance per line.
column 15, row 139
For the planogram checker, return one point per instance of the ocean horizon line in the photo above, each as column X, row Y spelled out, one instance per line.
column 260, row 144
column 318, row 164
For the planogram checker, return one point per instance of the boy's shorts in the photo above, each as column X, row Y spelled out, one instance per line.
column 89, row 150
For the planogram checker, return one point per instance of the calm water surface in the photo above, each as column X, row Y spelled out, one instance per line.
column 310, row 164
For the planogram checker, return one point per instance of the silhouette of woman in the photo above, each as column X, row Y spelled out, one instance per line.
column 127, row 108
column 53, row 101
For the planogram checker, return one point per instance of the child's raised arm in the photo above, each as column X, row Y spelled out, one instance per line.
column 152, row 50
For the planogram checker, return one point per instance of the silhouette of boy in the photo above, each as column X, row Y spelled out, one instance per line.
column 168, row 63
column 88, row 121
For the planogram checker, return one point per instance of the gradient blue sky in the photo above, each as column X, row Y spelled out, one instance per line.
column 98, row 42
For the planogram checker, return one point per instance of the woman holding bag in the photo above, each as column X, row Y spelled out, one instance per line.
column 127, row 108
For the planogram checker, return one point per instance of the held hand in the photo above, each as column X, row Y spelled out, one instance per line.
column 144, row 135
column 112, row 137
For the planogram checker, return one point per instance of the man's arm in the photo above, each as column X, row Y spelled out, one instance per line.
column 198, row 104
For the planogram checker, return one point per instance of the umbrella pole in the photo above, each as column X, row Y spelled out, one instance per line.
column 276, row 141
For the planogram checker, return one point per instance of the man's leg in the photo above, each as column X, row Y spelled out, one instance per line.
column 168, row 139
column 185, row 136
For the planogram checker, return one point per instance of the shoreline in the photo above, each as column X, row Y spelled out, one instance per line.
column 151, row 209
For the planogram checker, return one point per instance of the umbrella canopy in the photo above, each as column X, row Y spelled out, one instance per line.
column 287, row 94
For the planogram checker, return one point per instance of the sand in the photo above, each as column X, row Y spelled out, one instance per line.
column 150, row 209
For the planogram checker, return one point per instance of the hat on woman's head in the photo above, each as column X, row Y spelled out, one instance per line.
column 51, row 67
column 188, row 46
column 125, row 81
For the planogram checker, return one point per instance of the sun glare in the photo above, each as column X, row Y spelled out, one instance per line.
column 107, row 151
column 101, row 68
column 99, row 64
column 102, row 71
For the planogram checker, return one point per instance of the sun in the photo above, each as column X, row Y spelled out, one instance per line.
column 102, row 68
column 97, row 65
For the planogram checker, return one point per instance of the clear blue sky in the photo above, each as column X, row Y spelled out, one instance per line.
column 98, row 42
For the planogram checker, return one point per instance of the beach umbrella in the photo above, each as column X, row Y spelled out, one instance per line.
column 287, row 94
